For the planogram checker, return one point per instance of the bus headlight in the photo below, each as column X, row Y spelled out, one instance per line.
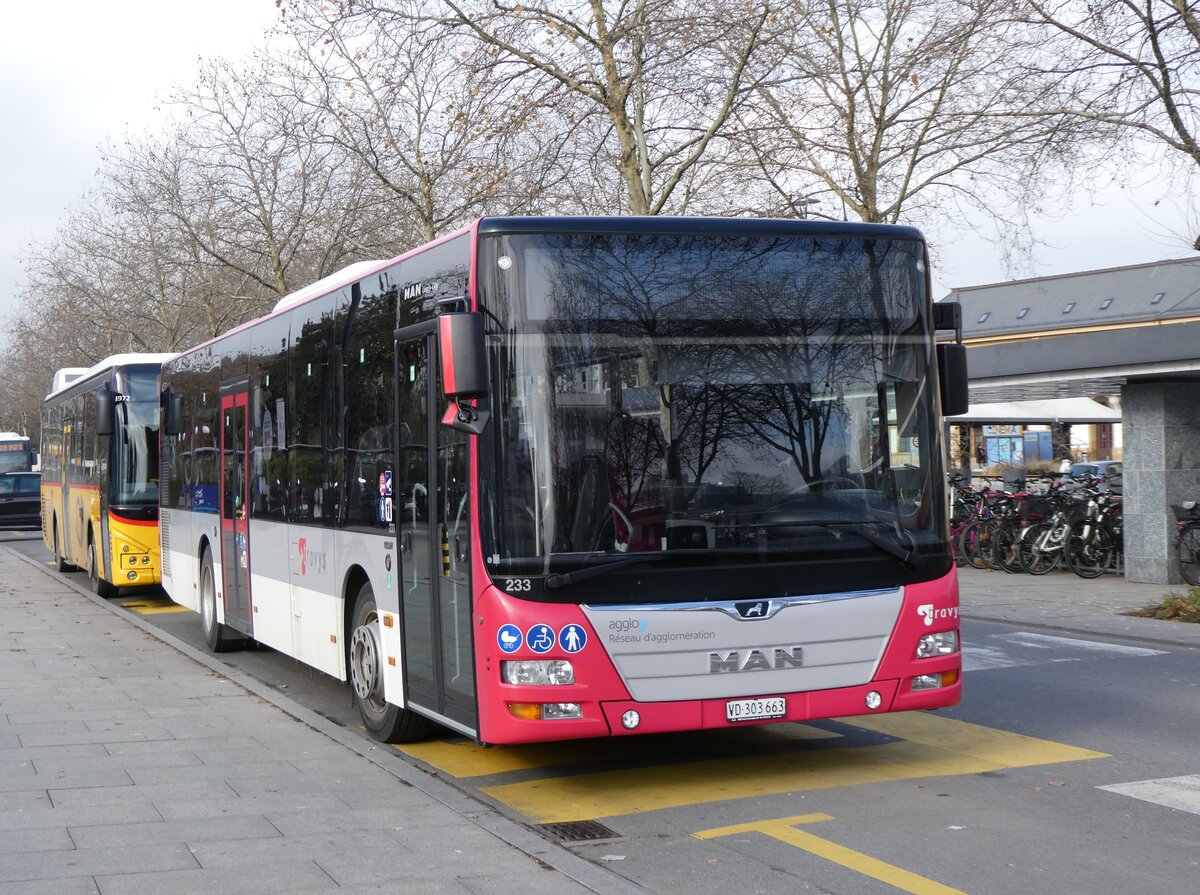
column 941, row 644
column 537, row 671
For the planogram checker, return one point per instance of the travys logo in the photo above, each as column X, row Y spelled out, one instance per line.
column 929, row 612
column 313, row 558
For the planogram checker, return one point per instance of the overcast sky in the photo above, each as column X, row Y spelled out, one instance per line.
column 78, row 73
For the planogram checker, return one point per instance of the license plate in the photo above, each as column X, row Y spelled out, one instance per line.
column 755, row 709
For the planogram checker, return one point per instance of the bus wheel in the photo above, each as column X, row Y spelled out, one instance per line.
column 220, row 638
column 60, row 563
column 384, row 721
column 100, row 587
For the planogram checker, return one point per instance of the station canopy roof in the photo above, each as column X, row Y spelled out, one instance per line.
column 1056, row 410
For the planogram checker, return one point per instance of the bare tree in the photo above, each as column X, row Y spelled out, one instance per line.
column 902, row 110
column 247, row 180
column 442, row 141
column 1134, row 64
column 651, row 83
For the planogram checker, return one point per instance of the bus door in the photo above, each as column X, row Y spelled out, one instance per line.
column 433, row 529
column 235, row 526
column 69, row 464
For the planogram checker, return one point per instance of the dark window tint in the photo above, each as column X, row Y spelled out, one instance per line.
column 268, row 408
column 309, row 412
column 370, row 442
column 206, row 429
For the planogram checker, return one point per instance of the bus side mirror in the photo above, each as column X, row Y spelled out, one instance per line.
column 172, row 413
column 106, row 411
column 952, row 377
column 464, row 370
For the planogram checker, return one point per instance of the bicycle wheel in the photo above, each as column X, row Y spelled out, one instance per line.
column 1188, row 549
column 1091, row 549
column 1003, row 544
column 975, row 543
column 1037, row 555
column 956, row 530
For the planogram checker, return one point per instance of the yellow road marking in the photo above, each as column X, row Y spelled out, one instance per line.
column 784, row 830
column 153, row 607
column 467, row 759
column 933, row 746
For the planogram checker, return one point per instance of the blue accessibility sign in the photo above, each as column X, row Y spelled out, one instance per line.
column 540, row 638
column 509, row 637
column 572, row 638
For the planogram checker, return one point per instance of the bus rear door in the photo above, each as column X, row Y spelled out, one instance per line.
column 235, row 528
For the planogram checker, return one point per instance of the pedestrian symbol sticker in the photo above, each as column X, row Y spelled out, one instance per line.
column 509, row 637
column 540, row 638
column 572, row 638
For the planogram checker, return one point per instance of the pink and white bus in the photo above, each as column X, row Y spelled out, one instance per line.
column 549, row 478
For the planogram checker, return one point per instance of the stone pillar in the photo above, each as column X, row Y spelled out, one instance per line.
column 1161, row 431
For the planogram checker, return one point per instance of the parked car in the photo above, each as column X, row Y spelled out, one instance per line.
column 1108, row 470
column 1100, row 468
column 20, row 500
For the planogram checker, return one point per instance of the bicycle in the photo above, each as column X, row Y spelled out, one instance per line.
column 990, row 542
column 1040, row 542
column 1187, row 540
column 1095, row 542
column 967, row 506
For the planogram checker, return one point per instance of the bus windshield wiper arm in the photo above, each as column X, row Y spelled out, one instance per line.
column 902, row 553
column 556, row 580
column 860, row 528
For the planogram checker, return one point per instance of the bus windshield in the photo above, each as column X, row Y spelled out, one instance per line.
column 708, row 400
column 15, row 456
column 134, row 473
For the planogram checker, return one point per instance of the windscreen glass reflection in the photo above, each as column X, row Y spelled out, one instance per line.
column 714, row 398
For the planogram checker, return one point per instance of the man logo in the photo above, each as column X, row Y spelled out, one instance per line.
column 757, row 609
column 755, row 660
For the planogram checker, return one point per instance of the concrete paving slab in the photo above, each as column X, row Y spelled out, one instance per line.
column 164, row 832
column 148, row 795
column 18, row 841
column 136, row 859
column 85, row 815
column 75, row 885
column 281, row 877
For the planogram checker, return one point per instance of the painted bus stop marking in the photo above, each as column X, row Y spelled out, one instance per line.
column 153, row 606
column 784, row 829
column 926, row 746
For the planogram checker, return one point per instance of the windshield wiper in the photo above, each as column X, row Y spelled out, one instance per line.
column 859, row 527
column 555, row 580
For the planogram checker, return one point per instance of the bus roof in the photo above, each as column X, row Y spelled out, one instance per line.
column 109, row 363
column 648, row 223
column 358, row 270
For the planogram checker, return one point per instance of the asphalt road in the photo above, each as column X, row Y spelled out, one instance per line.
column 1036, row 783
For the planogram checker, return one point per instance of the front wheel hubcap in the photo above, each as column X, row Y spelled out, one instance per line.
column 364, row 653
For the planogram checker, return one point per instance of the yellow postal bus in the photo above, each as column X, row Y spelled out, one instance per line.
column 100, row 471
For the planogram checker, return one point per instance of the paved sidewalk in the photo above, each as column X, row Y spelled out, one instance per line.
column 129, row 763
column 1062, row 600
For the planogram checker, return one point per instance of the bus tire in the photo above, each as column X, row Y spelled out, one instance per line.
column 60, row 563
column 100, row 587
column 219, row 638
column 384, row 722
